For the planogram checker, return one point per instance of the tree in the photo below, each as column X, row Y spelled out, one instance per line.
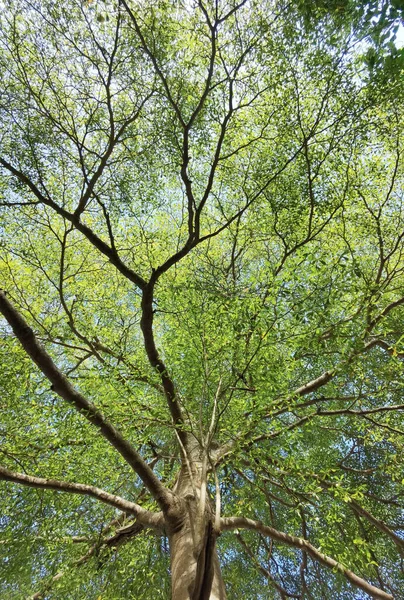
column 202, row 289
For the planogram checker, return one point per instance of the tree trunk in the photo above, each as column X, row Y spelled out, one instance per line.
column 195, row 569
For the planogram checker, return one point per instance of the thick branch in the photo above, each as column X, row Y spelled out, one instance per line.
column 146, row 517
column 231, row 523
column 146, row 324
column 325, row 377
column 313, row 385
column 65, row 390
column 389, row 348
column 306, row 389
column 386, row 311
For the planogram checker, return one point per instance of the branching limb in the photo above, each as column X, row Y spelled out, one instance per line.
column 120, row 537
column 153, row 59
column 146, row 325
column 309, row 388
column 325, row 377
column 283, row 593
column 65, row 390
column 234, row 523
column 352, row 503
column 97, row 242
column 146, row 517
column 113, row 141
column 360, row 510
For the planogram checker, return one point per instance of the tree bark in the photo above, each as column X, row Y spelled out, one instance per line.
column 195, row 569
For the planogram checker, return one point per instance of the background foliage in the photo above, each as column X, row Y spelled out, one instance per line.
column 284, row 130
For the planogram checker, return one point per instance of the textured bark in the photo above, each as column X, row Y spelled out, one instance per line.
column 195, row 569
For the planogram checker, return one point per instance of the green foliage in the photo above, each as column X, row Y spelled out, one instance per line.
column 294, row 156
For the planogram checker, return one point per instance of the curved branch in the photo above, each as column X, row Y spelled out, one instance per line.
column 145, row 517
column 283, row 593
column 386, row 311
column 231, row 523
column 113, row 141
column 153, row 59
column 314, row 384
column 123, row 535
column 97, row 242
column 389, row 348
column 359, row 509
column 309, row 388
column 62, row 386
column 325, row 377
column 146, row 325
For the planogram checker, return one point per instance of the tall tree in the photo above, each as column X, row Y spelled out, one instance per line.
column 202, row 274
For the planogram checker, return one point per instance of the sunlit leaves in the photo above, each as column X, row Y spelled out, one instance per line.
column 266, row 122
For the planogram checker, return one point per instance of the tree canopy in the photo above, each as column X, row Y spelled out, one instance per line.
column 202, row 285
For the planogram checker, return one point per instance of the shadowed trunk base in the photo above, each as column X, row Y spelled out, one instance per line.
column 195, row 568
